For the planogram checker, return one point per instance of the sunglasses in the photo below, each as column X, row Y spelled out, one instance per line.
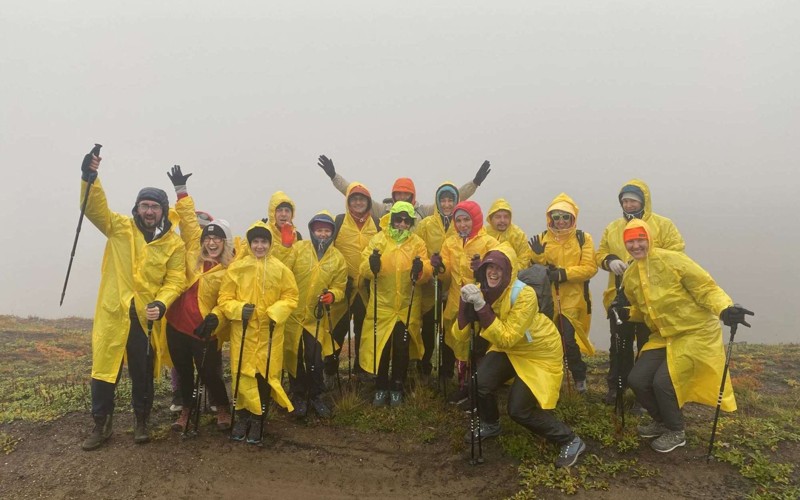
column 558, row 217
column 406, row 220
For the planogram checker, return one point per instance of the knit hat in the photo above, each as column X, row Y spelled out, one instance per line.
column 631, row 196
column 258, row 232
column 285, row 204
column 219, row 228
column 320, row 220
column 153, row 194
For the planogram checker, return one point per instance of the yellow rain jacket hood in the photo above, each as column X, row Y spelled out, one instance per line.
column 680, row 303
column 394, row 294
column 663, row 234
column 528, row 337
column 271, row 286
column 563, row 249
column 431, row 230
column 514, row 234
column 280, row 252
column 314, row 275
column 132, row 270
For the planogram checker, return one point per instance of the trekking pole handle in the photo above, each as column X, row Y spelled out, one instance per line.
column 616, row 316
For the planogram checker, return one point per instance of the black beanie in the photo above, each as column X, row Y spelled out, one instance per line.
column 153, row 194
column 258, row 232
column 285, row 204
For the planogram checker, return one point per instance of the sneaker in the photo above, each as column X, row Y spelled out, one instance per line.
column 254, row 433
column 459, row 397
column 320, row 407
column 651, row 430
column 395, row 398
column 668, row 441
column 223, row 419
column 177, row 402
column 183, row 420
column 580, row 386
column 300, row 408
column 213, row 408
column 570, row 452
column 488, row 430
column 240, row 427
column 381, row 398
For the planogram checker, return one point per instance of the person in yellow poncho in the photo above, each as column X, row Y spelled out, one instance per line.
column 684, row 357
column 280, row 219
column 321, row 275
column 262, row 291
column 143, row 273
column 524, row 345
column 636, row 203
column 502, row 229
column 395, row 258
column 569, row 252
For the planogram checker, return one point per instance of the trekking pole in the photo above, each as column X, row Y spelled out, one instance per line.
column 266, row 401
column 475, row 416
column 197, row 397
column 721, row 390
column 92, row 176
column 238, row 376
column 349, row 337
column 375, row 321
column 619, row 345
column 410, row 304
column 563, row 342
column 148, row 365
column 436, row 356
column 310, row 372
column 333, row 346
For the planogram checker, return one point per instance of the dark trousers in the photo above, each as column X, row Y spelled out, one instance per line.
column 140, row 369
column 309, row 381
column 397, row 349
column 494, row 370
column 573, row 352
column 628, row 331
column 187, row 353
column 428, row 340
column 357, row 313
column 653, row 387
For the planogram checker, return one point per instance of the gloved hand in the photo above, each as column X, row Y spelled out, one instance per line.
column 472, row 294
column 155, row 310
column 475, row 262
column 482, row 173
column 91, row 161
column 247, row 311
column 207, row 327
column 326, row 164
column 536, row 245
column 437, row 264
column 557, row 274
column 327, row 297
column 178, row 180
column 375, row 262
column 735, row 314
column 616, row 265
column 287, row 235
column 416, row 269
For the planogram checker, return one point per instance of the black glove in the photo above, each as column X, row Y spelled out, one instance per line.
column 207, row 327
column 87, row 173
column 482, row 173
column 621, row 304
column 247, row 311
column 162, row 309
column 265, row 220
column 437, row 264
column 735, row 314
column 375, row 262
column 416, row 269
column 557, row 274
column 326, row 164
column 536, row 245
column 177, row 177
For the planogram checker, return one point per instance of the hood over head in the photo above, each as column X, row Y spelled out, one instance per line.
column 474, row 211
column 405, row 185
column 503, row 256
column 562, row 203
column 499, row 204
column 278, row 198
column 639, row 189
column 321, row 218
column 259, row 229
column 401, row 207
column 358, row 188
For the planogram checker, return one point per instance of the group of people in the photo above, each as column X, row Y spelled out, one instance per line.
column 430, row 283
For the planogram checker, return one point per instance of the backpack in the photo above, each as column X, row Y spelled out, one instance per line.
column 536, row 278
column 337, row 224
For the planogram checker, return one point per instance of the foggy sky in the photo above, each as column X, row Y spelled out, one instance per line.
column 699, row 99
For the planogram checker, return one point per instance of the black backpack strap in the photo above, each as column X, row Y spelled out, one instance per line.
column 337, row 225
column 377, row 222
column 581, row 237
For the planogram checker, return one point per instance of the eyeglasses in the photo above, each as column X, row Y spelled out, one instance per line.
column 558, row 217
column 149, row 207
column 215, row 239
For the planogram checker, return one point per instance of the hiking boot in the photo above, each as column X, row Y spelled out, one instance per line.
column 611, row 397
column 177, row 401
column 329, row 380
column 101, row 432
column 570, row 452
column 395, row 398
column 459, row 397
column 381, row 398
column 300, row 408
column 637, row 409
column 223, row 419
column 320, row 407
column 669, row 441
column 240, row 427
column 183, row 420
column 254, row 433
column 651, row 430
column 580, row 386
column 488, row 430
column 140, row 433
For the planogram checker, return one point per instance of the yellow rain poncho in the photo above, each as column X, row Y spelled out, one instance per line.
column 528, row 337
column 135, row 270
column 514, row 235
column 394, row 291
column 680, row 303
column 431, row 230
column 280, row 252
column 270, row 285
column 663, row 232
column 313, row 276
column 562, row 249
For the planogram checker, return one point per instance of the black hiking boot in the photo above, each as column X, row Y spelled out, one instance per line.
column 100, row 433
column 254, row 433
column 240, row 427
column 140, row 433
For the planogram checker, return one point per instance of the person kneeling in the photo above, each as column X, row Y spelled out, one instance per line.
column 524, row 345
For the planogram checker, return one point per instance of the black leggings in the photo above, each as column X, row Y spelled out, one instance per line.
column 357, row 312
column 309, row 381
column 576, row 364
column 398, row 348
column 187, row 353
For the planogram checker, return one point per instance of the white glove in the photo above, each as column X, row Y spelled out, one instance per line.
column 617, row 267
column 472, row 294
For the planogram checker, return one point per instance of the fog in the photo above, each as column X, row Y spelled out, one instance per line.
column 699, row 99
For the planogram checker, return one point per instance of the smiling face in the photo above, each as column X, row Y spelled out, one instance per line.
column 631, row 206
column 323, row 232
column 494, row 275
column 149, row 213
column 500, row 220
column 213, row 245
column 447, row 204
column 282, row 216
column 358, row 203
column 401, row 221
column 637, row 248
column 259, row 246
column 561, row 220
